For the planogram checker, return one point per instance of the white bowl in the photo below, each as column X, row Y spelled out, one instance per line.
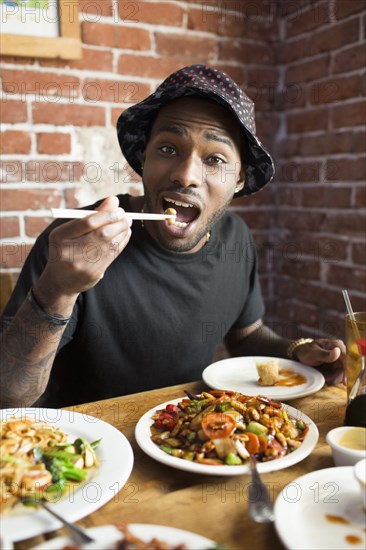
column 348, row 444
column 360, row 474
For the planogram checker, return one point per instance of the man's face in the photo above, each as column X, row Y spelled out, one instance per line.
column 192, row 164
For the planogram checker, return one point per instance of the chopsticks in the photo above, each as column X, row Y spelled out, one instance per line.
column 72, row 213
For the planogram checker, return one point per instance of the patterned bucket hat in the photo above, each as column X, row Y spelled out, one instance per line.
column 135, row 123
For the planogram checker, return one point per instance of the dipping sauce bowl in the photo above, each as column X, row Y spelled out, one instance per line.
column 348, row 444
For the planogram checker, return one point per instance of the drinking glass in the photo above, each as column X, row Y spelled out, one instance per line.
column 353, row 357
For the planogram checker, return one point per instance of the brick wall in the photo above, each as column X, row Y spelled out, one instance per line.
column 303, row 63
column 317, row 244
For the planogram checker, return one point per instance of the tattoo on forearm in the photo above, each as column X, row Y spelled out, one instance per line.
column 28, row 349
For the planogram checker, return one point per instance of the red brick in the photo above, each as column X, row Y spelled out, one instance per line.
column 360, row 198
column 71, row 199
column 301, row 220
column 250, row 19
column 114, row 91
column 335, row 89
column 91, row 59
column 52, row 171
column 115, row 114
column 309, row 121
column 263, row 77
column 359, row 253
column 346, row 169
column 308, row 70
column 236, row 73
column 343, row 276
column 12, row 171
column 328, row 39
column 250, row 27
column 60, row 114
column 16, row 60
column 353, row 114
column 326, row 197
column 334, row 37
column 13, row 255
column 351, row 59
column 309, row 20
column 336, row 142
column 160, row 13
column 185, row 46
column 294, row 172
column 29, row 199
column 255, row 221
column 246, row 52
column 207, row 18
column 102, row 34
column 288, row 195
column 291, row 10
column 92, row 8
column 46, row 86
column 13, row 111
column 344, row 8
column 300, row 270
column 267, row 127
column 9, row 227
column 14, row 142
column 347, row 223
column 35, row 225
column 146, row 66
column 52, row 143
column 327, row 249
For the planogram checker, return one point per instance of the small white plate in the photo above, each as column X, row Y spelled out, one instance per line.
column 143, row 438
column 240, row 374
column 115, row 458
column 302, row 507
column 107, row 535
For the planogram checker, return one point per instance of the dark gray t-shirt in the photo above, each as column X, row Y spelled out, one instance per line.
column 155, row 319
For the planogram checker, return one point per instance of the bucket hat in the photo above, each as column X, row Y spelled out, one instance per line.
column 135, row 123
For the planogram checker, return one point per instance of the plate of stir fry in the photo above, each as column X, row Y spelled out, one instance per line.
column 62, row 457
column 215, row 433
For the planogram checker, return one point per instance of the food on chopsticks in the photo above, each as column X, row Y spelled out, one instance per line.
column 38, row 462
column 171, row 212
column 225, row 427
column 268, row 372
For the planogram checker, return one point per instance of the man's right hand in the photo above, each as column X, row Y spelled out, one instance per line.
column 81, row 250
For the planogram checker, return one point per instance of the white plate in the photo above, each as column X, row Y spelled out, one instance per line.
column 143, row 438
column 115, row 458
column 240, row 374
column 106, row 535
column 302, row 506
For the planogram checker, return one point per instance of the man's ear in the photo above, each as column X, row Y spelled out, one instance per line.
column 241, row 181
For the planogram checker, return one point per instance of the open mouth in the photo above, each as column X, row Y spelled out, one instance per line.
column 186, row 213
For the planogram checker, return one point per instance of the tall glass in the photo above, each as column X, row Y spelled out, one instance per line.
column 353, row 357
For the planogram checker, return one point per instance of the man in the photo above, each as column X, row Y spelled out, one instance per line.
column 103, row 308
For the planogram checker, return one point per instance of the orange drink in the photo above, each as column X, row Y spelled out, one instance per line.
column 353, row 357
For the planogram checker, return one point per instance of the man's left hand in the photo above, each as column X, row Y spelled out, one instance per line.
column 326, row 355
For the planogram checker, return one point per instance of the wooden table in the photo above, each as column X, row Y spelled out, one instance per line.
column 212, row 506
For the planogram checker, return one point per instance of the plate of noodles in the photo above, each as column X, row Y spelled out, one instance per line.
column 75, row 461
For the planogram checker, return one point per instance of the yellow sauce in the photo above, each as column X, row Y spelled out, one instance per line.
column 290, row 378
column 354, row 438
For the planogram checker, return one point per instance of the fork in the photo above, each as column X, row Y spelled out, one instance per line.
column 77, row 535
column 260, row 504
